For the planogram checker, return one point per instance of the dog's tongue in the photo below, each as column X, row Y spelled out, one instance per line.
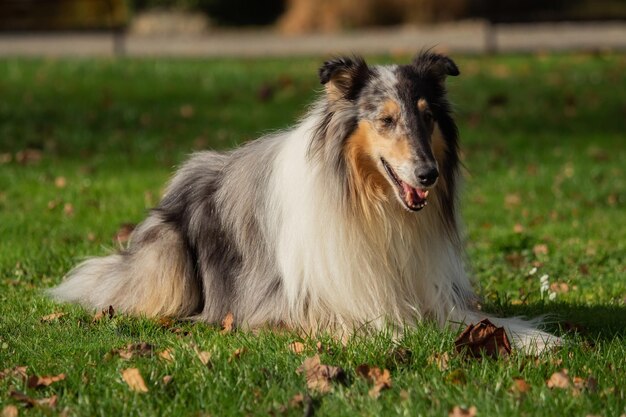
column 413, row 196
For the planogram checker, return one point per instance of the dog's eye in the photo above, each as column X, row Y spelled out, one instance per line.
column 387, row 121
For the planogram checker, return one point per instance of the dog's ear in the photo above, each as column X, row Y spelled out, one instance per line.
column 344, row 77
column 435, row 65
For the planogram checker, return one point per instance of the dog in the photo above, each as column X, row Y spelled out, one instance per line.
column 347, row 221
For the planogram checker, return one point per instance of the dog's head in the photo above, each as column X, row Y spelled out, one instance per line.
column 401, row 134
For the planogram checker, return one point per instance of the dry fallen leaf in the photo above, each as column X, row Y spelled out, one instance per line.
column 68, row 209
column 50, row 402
column 296, row 400
column 237, row 354
column 511, row 200
column 186, row 111
column 166, row 355
column 319, row 376
column 296, row 347
column 132, row 349
column 227, row 323
column 135, row 381
column 9, row 411
column 29, row 156
column 462, row 412
column 540, row 249
column 380, row 378
column 456, row 377
column 559, row 379
column 60, row 182
column 441, row 360
column 51, row 317
column 43, row 381
column 107, row 312
column 483, row 338
column 16, row 371
column 559, row 287
column 5, row 158
column 399, row 355
column 166, row 379
column 520, row 385
column 204, row 356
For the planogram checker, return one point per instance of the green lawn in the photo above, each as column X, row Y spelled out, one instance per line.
column 87, row 145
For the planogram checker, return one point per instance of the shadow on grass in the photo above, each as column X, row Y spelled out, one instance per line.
column 591, row 322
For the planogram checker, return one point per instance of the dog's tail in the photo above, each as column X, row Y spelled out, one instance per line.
column 523, row 334
column 152, row 277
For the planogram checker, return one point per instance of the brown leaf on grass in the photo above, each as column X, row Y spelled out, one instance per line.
column 166, row 379
column 227, row 323
column 321, row 348
column 5, row 158
column 540, row 249
column 591, row 384
column 404, row 395
column 124, row 232
column 9, row 411
column 49, row 402
column 440, row 359
column 380, row 378
column 559, row 379
column 29, row 156
column 512, row 200
column 515, row 259
column 319, row 376
column 518, row 228
column 51, row 317
column 462, row 412
column 132, row 349
column 297, row 401
column 187, row 111
column 399, row 355
column 16, row 371
column 43, row 381
column 68, row 209
column 52, row 204
column 107, row 312
column 204, row 356
column 60, row 182
column 166, row 355
column 296, row 347
column 520, row 385
column 559, row 287
column 457, row 377
column 134, row 380
column 483, row 338
column 238, row 353
column 166, row 322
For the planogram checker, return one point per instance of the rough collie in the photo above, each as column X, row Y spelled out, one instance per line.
column 347, row 221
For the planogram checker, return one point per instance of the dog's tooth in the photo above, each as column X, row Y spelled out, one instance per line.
column 426, row 193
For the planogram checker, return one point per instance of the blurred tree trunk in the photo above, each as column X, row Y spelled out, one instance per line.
column 333, row 15
column 62, row 14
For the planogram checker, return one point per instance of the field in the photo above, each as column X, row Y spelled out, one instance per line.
column 86, row 147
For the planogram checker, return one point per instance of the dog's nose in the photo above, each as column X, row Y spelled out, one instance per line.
column 428, row 176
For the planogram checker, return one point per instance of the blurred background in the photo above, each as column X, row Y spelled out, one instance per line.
column 287, row 27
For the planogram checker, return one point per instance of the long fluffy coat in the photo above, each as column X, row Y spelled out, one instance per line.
column 301, row 228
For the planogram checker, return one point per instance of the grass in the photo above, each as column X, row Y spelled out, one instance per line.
column 544, row 146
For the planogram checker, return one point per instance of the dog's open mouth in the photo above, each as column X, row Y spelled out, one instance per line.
column 413, row 198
